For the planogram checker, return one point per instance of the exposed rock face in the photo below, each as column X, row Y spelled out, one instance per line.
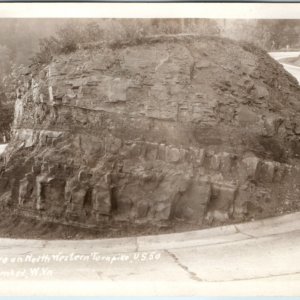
column 8, row 94
column 200, row 129
column 6, row 117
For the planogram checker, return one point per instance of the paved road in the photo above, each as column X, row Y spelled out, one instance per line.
column 286, row 54
column 259, row 258
column 295, row 71
column 2, row 148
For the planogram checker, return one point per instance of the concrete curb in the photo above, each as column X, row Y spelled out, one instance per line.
column 271, row 226
column 223, row 234
column 217, row 235
column 205, row 237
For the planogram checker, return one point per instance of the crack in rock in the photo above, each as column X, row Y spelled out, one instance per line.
column 191, row 274
column 162, row 61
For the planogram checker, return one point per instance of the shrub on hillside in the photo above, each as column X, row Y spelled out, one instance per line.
column 72, row 35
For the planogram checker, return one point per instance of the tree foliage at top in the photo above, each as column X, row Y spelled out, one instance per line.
column 267, row 34
column 21, row 39
column 69, row 37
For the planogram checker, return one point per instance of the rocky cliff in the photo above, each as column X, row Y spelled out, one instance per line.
column 6, row 117
column 161, row 129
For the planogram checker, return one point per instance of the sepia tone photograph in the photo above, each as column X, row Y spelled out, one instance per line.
column 150, row 156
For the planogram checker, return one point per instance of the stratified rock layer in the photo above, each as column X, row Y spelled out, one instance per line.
column 175, row 127
column 6, row 117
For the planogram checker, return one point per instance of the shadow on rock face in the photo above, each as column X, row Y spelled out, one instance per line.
column 273, row 149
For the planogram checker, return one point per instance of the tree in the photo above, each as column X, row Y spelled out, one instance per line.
column 5, row 61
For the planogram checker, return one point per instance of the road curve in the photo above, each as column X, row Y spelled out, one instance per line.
column 257, row 258
column 294, row 70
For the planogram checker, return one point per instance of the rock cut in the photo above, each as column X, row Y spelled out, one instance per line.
column 166, row 128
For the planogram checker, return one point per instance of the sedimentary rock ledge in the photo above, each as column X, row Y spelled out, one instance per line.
column 173, row 128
